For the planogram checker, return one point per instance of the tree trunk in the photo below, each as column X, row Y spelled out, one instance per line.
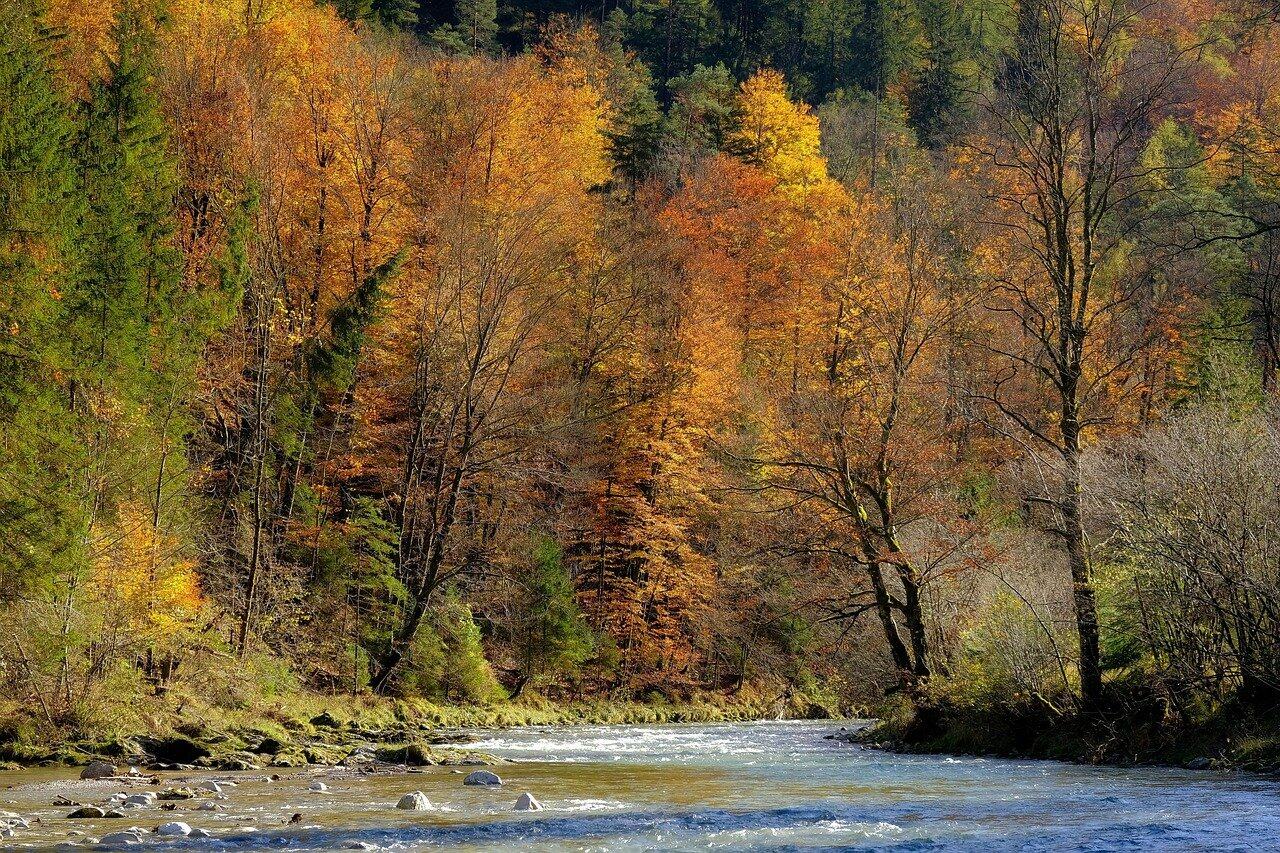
column 1081, row 581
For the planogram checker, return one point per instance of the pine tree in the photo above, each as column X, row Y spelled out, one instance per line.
column 635, row 122
column 38, row 451
column 130, row 281
column 553, row 638
column 477, row 23
column 397, row 14
column 880, row 44
column 937, row 97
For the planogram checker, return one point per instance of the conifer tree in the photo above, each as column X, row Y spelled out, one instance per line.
column 937, row 96
column 37, row 254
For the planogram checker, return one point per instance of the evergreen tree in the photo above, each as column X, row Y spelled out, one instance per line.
column 635, row 122
column 38, row 450
column 397, row 14
column 938, row 95
column 130, row 281
column 552, row 639
column 477, row 24
column 881, row 43
column 703, row 103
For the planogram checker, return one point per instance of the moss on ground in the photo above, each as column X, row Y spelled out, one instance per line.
column 294, row 728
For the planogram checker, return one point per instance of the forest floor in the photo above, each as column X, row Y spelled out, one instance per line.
column 302, row 728
column 1231, row 736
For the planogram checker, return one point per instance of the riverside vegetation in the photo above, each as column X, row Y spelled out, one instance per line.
column 380, row 365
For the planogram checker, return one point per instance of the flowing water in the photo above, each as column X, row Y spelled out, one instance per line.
column 771, row 785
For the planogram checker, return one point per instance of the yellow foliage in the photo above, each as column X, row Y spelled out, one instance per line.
column 146, row 590
column 776, row 134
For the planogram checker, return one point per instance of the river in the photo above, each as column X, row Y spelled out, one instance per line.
column 769, row 785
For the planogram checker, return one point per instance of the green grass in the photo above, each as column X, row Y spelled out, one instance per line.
column 226, row 727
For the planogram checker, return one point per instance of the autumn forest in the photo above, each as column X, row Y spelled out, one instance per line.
column 907, row 357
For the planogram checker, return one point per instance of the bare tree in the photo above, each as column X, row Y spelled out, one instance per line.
column 1066, row 131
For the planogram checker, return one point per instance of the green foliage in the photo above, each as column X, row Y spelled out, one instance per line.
column 552, row 638
column 1119, row 616
column 38, row 448
column 703, row 104
column 332, row 363
column 881, row 44
column 1008, row 655
column 446, row 660
column 635, row 121
column 939, row 92
column 477, row 23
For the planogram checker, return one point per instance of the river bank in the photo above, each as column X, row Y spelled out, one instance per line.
column 308, row 729
column 1232, row 736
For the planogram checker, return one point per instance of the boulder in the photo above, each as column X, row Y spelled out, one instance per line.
column 318, row 787
column 482, row 777
column 113, row 813
column 270, row 746
column 128, row 838
column 87, row 811
column 98, row 770
column 353, row 844
column 326, row 755
column 1200, row 763
column 527, row 803
column 288, row 759
column 207, row 806
column 231, row 761
column 201, row 833
column 412, row 754
column 414, row 802
column 175, row 750
column 146, row 798
column 325, row 719
column 209, row 785
column 177, row 794
column 173, row 829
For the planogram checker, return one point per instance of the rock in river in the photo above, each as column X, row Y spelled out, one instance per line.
column 318, row 787
column 482, row 777
column 98, row 770
column 87, row 811
column 414, row 802
column 527, row 803
column 173, row 828
column 127, row 838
